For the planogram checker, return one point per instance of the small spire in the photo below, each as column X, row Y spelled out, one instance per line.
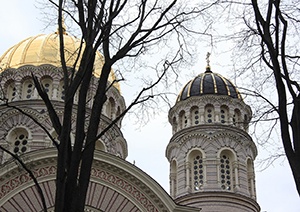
column 208, row 65
column 64, row 28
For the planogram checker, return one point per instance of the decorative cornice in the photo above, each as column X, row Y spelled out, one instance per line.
column 211, row 133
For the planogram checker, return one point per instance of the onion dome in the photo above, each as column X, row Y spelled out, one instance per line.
column 208, row 83
column 44, row 49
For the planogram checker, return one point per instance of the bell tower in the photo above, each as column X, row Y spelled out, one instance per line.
column 211, row 153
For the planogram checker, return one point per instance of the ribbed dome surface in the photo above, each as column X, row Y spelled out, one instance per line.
column 44, row 49
column 208, row 83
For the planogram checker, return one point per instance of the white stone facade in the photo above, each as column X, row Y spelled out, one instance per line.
column 211, row 154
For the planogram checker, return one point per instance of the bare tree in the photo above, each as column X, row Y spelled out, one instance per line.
column 272, row 27
column 266, row 50
column 119, row 29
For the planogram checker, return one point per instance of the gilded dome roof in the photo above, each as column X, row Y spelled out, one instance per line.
column 44, row 49
column 208, row 83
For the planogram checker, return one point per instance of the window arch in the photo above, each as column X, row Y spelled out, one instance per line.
column 209, row 114
column 236, row 120
column 27, row 89
column 224, row 114
column 226, row 171
column 110, row 108
column 47, row 84
column 195, row 116
column 18, row 138
column 182, row 120
column 197, row 170
column 11, row 91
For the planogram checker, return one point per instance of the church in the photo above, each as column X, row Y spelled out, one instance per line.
column 210, row 152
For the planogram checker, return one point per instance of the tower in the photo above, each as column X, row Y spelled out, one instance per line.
column 210, row 153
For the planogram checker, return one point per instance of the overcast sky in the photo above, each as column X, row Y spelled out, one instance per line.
column 275, row 188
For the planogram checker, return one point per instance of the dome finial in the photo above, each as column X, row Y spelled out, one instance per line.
column 64, row 28
column 207, row 61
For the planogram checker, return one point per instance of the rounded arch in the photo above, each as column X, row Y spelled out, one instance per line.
column 18, row 139
column 195, row 117
column 182, row 119
column 10, row 90
column 209, row 113
column 195, row 158
column 110, row 108
column 27, row 88
column 224, row 113
column 119, row 180
column 47, row 83
column 227, row 159
column 236, row 119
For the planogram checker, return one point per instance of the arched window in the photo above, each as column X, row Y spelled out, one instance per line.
column 209, row 114
column 11, row 91
column 236, row 118
column 182, row 120
column 226, row 170
column 47, row 84
column 197, row 170
column 27, row 89
column 113, row 108
column 110, row 108
column 19, row 140
column 224, row 114
column 195, row 116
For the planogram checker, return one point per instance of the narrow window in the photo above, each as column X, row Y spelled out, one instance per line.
column 236, row 118
column 224, row 115
column 11, row 92
column 47, row 84
column 28, row 89
column 197, row 172
column 225, row 172
column 183, row 120
column 195, row 116
column 209, row 114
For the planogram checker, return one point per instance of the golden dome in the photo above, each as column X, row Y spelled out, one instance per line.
column 44, row 49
